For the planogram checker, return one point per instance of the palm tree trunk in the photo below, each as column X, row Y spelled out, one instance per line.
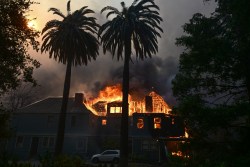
column 62, row 116
column 125, row 107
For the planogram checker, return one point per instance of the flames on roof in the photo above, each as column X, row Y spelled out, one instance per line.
column 113, row 93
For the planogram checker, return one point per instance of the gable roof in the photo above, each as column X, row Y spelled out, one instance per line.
column 53, row 105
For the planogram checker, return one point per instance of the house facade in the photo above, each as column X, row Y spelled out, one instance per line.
column 86, row 133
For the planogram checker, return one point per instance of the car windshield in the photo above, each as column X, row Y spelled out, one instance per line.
column 110, row 152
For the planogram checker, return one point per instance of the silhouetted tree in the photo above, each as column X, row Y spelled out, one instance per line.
column 213, row 83
column 216, row 62
column 21, row 96
column 70, row 41
column 16, row 65
column 5, row 131
column 137, row 25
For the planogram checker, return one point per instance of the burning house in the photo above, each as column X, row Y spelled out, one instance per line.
column 93, row 125
column 109, row 101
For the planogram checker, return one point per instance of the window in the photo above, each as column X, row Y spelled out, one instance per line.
column 172, row 121
column 82, row 144
column 149, row 145
column 45, row 141
column 19, row 141
column 51, row 142
column 51, row 121
column 73, row 121
column 109, row 152
column 104, row 122
column 157, row 123
column 140, row 123
column 145, row 145
column 131, row 121
column 48, row 141
column 115, row 110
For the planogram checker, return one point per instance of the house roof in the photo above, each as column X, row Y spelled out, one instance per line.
column 53, row 105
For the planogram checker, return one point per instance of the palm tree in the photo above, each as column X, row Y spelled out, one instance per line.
column 70, row 41
column 137, row 25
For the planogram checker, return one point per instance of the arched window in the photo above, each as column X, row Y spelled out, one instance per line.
column 140, row 123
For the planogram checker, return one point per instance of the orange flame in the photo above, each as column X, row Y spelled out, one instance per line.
column 113, row 93
column 105, row 96
column 109, row 94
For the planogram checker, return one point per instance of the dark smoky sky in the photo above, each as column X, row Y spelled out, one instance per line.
column 154, row 73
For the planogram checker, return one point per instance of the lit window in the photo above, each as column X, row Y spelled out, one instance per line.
column 118, row 110
column 104, row 122
column 115, row 110
column 140, row 123
column 112, row 109
column 19, row 141
column 157, row 123
column 172, row 121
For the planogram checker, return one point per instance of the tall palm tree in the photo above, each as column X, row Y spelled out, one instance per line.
column 70, row 41
column 136, row 26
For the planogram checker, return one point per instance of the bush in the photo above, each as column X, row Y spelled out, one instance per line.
column 47, row 160
column 8, row 160
column 68, row 161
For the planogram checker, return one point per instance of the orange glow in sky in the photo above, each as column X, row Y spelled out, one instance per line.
column 40, row 10
column 32, row 24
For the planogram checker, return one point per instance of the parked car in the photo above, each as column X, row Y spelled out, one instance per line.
column 107, row 156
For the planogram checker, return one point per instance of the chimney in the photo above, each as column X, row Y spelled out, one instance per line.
column 79, row 98
column 148, row 104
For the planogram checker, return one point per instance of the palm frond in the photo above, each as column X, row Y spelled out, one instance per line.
column 151, row 6
column 111, row 13
column 116, row 11
column 51, row 24
column 140, row 22
column 135, row 1
column 84, row 10
column 68, row 6
column 57, row 12
column 142, row 2
column 72, row 38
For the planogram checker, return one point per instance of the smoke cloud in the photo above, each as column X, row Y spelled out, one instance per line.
column 151, row 74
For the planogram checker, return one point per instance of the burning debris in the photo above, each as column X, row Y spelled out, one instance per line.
column 109, row 101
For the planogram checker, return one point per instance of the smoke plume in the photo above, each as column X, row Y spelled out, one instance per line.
column 151, row 74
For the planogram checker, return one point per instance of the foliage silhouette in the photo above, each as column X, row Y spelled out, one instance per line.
column 70, row 41
column 137, row 25
column 213, row 84
column 15, row 37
